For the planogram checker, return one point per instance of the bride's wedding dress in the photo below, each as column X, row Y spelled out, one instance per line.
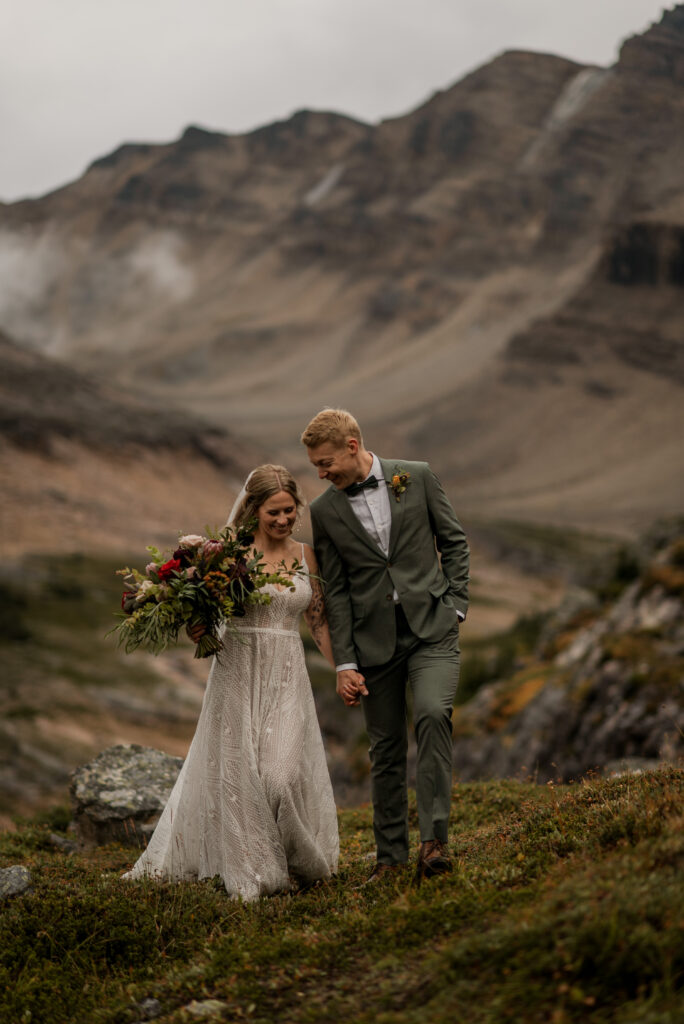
column 253, row 801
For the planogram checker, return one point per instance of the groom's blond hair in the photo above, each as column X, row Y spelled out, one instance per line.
column 331, row 426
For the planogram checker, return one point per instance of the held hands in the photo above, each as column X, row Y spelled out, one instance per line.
column 351, row 685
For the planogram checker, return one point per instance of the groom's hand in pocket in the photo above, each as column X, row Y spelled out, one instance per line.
column 351, row 686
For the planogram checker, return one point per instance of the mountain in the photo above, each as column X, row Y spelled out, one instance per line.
column 494, row 280
column 85, row 466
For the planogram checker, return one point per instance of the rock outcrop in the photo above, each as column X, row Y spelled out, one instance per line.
column 606, row 686
column 120, row 795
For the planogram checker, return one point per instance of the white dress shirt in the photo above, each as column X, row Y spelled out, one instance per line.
column 372, row 509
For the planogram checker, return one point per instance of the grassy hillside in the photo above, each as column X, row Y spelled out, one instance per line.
column 566, row 905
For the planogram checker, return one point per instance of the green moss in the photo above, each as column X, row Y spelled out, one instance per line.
column 56, row 818
column 564, row 905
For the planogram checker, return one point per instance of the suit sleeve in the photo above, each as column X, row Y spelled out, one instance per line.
column 451, row 541
column 336, row 590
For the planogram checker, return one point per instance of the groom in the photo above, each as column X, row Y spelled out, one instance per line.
column 394, row 608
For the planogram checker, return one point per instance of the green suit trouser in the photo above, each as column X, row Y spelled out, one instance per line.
column 431, row 670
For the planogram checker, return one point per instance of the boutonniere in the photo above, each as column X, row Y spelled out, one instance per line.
column 399, row 482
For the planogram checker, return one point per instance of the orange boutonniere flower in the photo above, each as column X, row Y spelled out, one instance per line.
column 399, row 482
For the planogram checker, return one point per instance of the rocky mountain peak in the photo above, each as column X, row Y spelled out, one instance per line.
column 195, row 137
column 660, row 50
column 127, row 151
column 300, row 136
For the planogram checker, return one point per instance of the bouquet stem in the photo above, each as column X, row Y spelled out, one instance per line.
column 207, row 645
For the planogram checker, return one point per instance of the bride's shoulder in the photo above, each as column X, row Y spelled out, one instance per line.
column 308, row 557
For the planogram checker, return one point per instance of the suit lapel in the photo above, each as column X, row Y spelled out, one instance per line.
column 340, row 503
column 396, row 507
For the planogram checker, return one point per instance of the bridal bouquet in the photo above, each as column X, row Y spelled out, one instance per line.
column 207, row 581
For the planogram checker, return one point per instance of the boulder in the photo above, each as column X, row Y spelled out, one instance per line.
column 119, row 796
column 14, row 881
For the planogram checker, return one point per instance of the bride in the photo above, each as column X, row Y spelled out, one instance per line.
column 253, row 802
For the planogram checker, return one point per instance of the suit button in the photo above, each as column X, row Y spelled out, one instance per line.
column 389, row 597
column 389, row 565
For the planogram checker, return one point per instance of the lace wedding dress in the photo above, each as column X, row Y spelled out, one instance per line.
column 253, row 801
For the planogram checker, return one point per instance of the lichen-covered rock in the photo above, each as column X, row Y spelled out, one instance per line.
column 207, row 1009
column 119, row 796
column 149, row 1008
column 14, row 881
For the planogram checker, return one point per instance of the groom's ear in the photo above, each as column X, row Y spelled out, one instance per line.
column 352, row 445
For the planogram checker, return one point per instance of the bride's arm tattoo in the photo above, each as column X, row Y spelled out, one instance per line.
column 315, row 615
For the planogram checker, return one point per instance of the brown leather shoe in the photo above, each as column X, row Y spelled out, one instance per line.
column 433, row 859
column 381, row 872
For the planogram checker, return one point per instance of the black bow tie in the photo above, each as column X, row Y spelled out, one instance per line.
column 353, row 489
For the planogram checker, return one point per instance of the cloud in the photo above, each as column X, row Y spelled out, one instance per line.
column 41, row 271
column 158, row 260
column 29, row 270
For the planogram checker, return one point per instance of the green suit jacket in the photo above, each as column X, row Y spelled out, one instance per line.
column 359, row 579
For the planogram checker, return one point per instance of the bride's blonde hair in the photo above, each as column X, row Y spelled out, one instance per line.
column 262, row 483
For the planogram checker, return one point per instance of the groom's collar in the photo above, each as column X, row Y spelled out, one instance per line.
column 376, row 469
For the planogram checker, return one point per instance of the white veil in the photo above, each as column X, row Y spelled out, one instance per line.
column 238, row 501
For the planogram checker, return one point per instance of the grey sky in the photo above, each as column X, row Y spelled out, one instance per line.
column 78, row 77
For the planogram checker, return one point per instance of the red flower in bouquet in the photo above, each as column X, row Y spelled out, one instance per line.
column 165, row 571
